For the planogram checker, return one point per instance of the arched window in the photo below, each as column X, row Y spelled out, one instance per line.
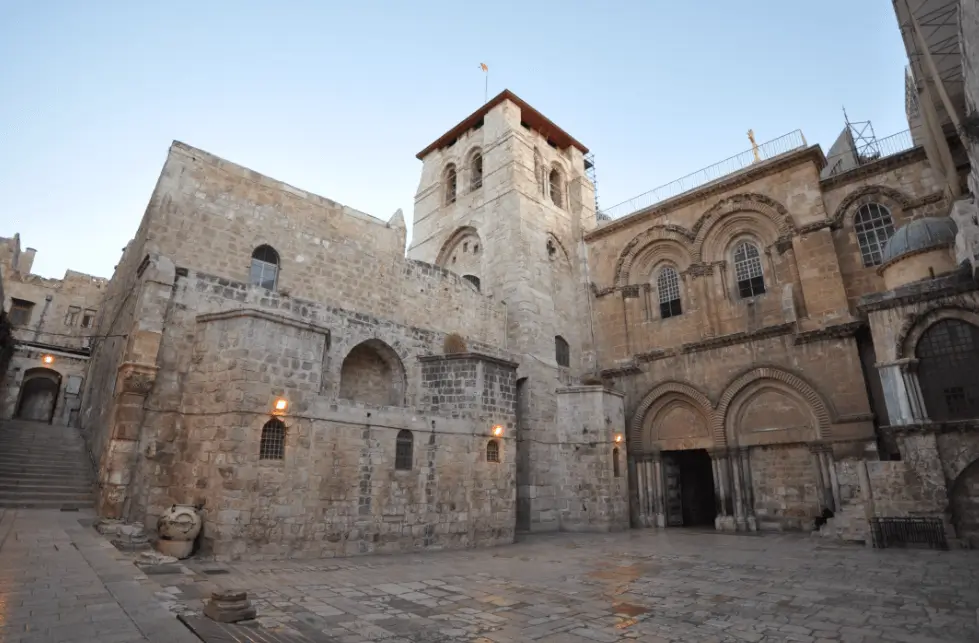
column 668, row 290
column 473, row 279
column 557, row 188
column 493, row 451
column 265, row 267
column 450, row 185
column 947, row 356
column 403, row 450
column 747, row 270
column 273, row 443
column 615, row 463
column 476, row 172
column 562, row 352
column 874, row 227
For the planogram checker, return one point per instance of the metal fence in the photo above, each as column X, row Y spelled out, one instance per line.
column 900, row 532
column 787, row 143
column 868, row 152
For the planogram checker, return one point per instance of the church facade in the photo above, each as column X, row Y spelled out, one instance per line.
column 789, row 346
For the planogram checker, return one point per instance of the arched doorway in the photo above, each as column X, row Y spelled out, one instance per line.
column 964, row 499
column 38, row 395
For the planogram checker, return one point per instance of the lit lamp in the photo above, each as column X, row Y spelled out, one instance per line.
column 280, row 406
column 48, row 359
column 498, row 430
column 618, row 437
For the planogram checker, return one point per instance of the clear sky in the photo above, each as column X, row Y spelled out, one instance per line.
column 338, row 97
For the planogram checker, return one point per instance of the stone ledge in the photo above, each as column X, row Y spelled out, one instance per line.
column 588, row 388
column 257, row 313
column 468, row 356
column 958, row 282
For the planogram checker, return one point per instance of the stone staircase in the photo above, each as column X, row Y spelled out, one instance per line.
column 44, row 467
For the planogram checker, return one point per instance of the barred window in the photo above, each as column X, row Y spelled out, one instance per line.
column 71, row 317
column 747, row 270
column 668, row 289
column 265, row 267
column 272, row 445
column 615, row 463
column 948, row 352
column 450, row 185
column 874, row 227
column 493, row 451
column 562, row 352
column 404, row 446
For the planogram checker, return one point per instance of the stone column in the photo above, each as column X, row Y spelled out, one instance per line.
column 645, row 498
column 909, row 371
column 659, row 489
column 822, row 474
column 902, row 393
column 744, row 454
column 724, row 520
column 740, row 521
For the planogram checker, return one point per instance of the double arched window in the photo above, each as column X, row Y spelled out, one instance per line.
column 668, row 291
column 450, row 181
column 265, row 267
column 748, row 271
column 874, row 226
column 947, row 354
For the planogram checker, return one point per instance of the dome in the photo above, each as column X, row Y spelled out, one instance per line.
column 920, row 234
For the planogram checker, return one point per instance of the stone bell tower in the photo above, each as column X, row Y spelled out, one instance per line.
column 504, row 201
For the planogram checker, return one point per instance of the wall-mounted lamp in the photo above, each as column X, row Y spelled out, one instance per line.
column 280, row 406
column 498, row 430
column 618, row 437
column 48, row 359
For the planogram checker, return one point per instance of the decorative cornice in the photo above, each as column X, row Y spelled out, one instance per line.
column 925, row 427
column 621, row 371
column 846, row 329
column 479, row 357
column 954, row 284
column 882, row 165
column 738, row 338
column 855, row 418
column 814, row 226
column 724, row 184
column 256, row 313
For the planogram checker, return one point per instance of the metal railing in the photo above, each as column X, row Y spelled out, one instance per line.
column 899, row 532
column 869, row 152
column 787, row 143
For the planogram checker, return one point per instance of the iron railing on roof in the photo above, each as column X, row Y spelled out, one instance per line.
column 868, row 152
column 787, row 143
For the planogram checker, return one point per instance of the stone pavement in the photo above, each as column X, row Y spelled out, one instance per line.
column 650, row 586
column 63, row 583
column 60, row 581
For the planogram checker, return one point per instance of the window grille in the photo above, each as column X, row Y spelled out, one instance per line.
column 874, row 226
column 668, row 289
column 747, row 270
column 947, row 354
column 403, row 450
column 20, row 312
column 272, row 445
column 265, row 267
column 492, row 451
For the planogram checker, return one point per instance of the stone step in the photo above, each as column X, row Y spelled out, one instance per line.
column 47, row 486
column 46, row 504
column 43, row 467
column 43, row 456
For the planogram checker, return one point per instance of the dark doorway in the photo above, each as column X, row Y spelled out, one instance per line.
column 38, row 395
column 523, row 456
column 689, row 488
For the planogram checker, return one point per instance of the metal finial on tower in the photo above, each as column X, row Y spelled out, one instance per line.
column 754, row 145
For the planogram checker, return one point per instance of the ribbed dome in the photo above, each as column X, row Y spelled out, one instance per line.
column 919, row 234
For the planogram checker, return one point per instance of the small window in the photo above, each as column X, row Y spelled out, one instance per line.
column 476, row 173
column 874, row 226
column 265, row 267
column 668, row 290
column 450, row 185
column 747, row 269
column 493, row 451
column 557, row 186
column 473, row 279
column 71, row 317
column 20, row 312
column 562, row 352
column 273, row 443
column 88, row 319
column 403, row 450
column 615, row 463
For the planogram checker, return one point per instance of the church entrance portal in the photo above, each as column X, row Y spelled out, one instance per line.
column 689, row 488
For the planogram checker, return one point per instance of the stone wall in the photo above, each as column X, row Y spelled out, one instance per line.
column 969, row 42
column 786, row 486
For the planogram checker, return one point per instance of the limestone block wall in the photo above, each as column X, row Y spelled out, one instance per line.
column 70, row 369
column 786, row 486
column 969, row 42
column 591, row 481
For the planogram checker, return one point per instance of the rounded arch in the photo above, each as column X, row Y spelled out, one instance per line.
column 38, row 396
column 659, row 397
column 450, row 184
column 781, row 222
column 373, row 373
column 646, row 247
column 916, row 325
column 555, row 248
column 820, row 408
column 895, row 200
column 947, row 353
column 556, row 182
column 474, row 165
column 264, row 270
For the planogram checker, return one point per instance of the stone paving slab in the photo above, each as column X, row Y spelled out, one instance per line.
column 63, row 583
column 654, row 586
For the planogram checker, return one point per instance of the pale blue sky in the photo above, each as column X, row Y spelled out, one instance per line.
column 338, row 97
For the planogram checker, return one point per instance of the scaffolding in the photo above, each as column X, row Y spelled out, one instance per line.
column 590, row 173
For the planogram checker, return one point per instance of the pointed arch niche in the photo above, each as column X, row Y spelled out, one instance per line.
column 463, row 254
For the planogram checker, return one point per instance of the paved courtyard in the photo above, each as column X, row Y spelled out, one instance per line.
column 60, row 581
